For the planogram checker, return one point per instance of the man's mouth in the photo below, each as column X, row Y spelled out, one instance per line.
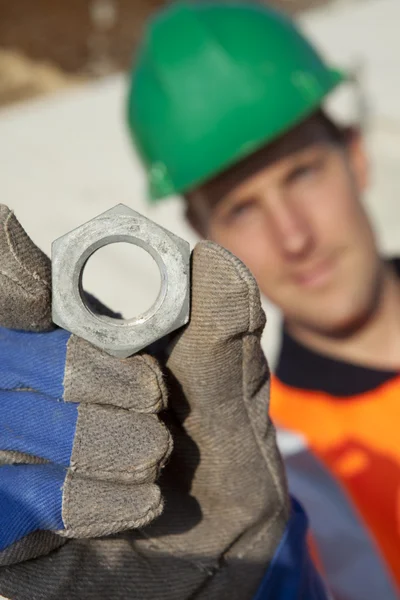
column 316, row 275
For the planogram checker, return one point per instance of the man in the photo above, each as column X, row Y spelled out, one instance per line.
column 83, row 441
column 153, row 477
column 84, row 436
column 226, row 109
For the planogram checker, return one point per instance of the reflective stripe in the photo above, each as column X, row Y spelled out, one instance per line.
column 352, row 563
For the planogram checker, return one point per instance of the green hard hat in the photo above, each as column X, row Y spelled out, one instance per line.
column 214, row 82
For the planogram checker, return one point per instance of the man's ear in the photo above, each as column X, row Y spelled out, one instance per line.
column 358, row 157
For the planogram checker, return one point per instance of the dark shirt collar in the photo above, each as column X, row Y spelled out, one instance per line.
column 302, row 368
column 305, row 369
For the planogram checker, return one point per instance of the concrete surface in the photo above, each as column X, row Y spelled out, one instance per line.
column 66, row 158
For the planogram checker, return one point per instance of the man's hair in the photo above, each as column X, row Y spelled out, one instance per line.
column 337, row 133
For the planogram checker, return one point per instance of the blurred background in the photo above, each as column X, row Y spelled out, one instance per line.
column 65, row 155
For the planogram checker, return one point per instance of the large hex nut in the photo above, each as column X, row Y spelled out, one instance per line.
column 118, row 337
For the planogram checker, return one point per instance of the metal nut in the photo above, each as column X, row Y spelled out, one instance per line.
column 118, row 337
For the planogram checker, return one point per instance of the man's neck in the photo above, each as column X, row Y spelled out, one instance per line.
column 377, row 343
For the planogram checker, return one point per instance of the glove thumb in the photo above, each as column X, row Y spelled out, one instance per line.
column 25, row 278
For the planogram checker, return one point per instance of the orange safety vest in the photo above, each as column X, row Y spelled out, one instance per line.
column 339, row 432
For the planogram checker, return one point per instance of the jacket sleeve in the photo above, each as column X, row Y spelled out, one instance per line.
column 292, row 575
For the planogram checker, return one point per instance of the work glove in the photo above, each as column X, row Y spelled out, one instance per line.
column 83, row 445
column 80, row 443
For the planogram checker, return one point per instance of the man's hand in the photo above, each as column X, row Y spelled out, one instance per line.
column 80, row 440
column 226, row 500
column 226, row 505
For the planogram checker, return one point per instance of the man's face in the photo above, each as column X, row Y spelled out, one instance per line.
column 292, row 214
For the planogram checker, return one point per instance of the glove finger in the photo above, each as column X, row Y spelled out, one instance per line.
column 30, row 499
column 63, row 366
column 226, row 324
column 119, row 445
column 96, row 508
column 106, row 442
column 33, row 361
column 25, row 278
column 37, row 425
column 47, row 497
column 224, row 375
column 91, row 375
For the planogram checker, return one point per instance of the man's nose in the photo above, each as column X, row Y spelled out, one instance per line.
column 290, row 229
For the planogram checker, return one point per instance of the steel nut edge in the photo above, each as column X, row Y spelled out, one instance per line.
column 118, row 337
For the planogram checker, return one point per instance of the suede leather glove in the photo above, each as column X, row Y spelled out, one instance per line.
column 226, row 504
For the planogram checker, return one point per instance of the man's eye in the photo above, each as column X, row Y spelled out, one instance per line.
column 304, row 171
column 239, row 210
column 234, row 213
